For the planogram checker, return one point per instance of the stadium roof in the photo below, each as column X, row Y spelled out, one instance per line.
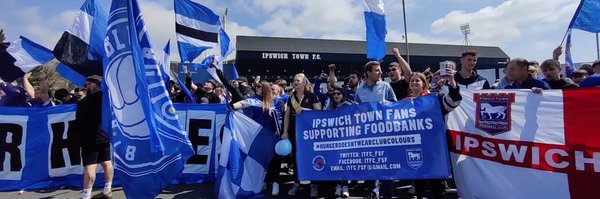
column 281, row 44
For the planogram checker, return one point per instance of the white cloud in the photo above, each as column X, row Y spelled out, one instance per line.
column 310, row 18
column 45, row 30
column 66, row 17
column 271, row 5
column 160, row 23
column 344, row 36
column 234, row 29
column 509, row 20
column 413, row 37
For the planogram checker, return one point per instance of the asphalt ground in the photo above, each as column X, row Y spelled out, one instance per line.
column 206, row 190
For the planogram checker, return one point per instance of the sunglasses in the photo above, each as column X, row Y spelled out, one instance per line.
column 337, row 93
column 393, row 69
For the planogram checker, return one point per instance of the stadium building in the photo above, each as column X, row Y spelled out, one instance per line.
column 274, row 57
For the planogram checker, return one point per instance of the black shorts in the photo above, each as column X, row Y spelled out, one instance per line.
column 96, row 154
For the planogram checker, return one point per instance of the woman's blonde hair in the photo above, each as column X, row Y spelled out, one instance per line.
column 305, row 81
column 267, row 96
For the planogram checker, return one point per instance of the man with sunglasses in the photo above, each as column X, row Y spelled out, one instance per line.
column 395, row 70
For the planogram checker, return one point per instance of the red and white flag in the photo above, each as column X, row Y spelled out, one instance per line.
column 518, row 144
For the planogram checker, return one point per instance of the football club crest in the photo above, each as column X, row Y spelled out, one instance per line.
column 492, row 112
column 318, row 163
column 414, row 158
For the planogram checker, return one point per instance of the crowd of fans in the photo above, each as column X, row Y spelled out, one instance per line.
column 280, row 102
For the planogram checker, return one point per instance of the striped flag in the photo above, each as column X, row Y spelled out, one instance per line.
column 81, row 47
column 376, row 29
column 246, row 150
column 197, row 29
column 28, row 54
column 519, row 144
column 20, row 57
column 150, row 147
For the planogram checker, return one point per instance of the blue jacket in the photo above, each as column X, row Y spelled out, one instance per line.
column 529, row 83
column 591, row 81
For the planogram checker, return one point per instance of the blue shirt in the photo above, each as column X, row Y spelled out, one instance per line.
column 591, row 81
column 529, row 83
column 285, row 97
column 378, row 92
column 351, row 94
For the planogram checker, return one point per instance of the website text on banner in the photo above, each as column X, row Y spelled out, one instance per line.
column 39, row 147
column 369, row 141
column 523, row 143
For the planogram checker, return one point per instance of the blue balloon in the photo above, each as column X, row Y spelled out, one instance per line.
column 283, row 147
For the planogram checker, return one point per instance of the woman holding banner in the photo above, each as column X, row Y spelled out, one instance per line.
column 340, row 98
column 301, row 99
column 419, row 86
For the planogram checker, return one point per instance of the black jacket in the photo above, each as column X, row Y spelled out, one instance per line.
column 88, row 118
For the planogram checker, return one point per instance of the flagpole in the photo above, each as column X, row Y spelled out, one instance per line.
column 565, row 36
column 597, row 47
column 223, row 23
column 405, row 34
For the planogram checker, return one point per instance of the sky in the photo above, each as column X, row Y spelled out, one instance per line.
column 529, row 29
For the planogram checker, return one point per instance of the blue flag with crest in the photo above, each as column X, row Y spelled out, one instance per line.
column 150, row 147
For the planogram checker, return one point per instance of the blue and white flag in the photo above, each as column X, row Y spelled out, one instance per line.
column 150, row 147
column 8, row 71
column 227, row 46
column 197, row 29
column 206, row 65
column 568, row 70
column 586, row 17
column 186, row 91
column 246, row 150
column 81, row 47
column 28, row 54
column 165, row 65
column 376, row 29
column 20, row 57
column 234, row 72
